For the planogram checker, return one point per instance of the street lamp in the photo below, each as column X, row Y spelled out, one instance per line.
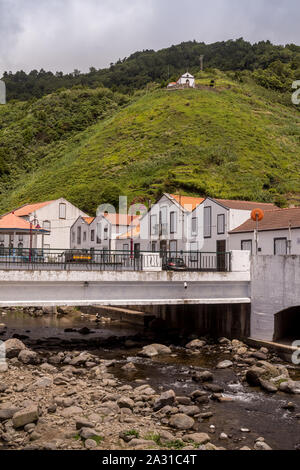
column 37, row 226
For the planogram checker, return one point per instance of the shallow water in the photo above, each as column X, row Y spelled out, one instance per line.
column 251, row 408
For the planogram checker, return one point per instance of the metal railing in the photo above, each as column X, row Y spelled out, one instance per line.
column 112, row 260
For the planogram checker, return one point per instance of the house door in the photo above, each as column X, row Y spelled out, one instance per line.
column 221, row 255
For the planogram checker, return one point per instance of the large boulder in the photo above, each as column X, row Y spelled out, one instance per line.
column 25, row 416
column 181, row 421
column 264, row 371
column 166, row 399
column 13, row 347
column 28, row 357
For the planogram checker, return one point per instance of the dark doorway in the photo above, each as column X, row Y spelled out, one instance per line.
column 221, row 255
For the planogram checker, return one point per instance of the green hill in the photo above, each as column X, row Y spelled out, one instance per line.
column 235, row 141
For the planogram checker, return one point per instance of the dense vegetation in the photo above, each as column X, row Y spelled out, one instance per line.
column 238, row 140
column 275, row 67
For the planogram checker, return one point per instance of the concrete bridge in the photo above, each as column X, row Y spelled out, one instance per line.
column 263, row 303
column 275, row 298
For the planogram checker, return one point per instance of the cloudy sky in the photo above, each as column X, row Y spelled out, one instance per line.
column 69, row 34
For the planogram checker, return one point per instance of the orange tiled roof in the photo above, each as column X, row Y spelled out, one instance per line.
column 122, row 219
column 89, row 220
column 134, row 233
column 189, row 203
column 273, row 220
column 245, row 205
column 12, row 222
column 30, row 208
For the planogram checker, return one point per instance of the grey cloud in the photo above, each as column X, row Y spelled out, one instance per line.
column 68, row 34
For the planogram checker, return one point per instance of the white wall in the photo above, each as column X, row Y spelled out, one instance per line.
column 266, row 240
column 60, row 228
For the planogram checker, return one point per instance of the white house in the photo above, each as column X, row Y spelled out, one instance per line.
column 165, row 226
column 188, row 80
column 278, row 234
column 101, row 232
column 213, row 219
column 56, row 216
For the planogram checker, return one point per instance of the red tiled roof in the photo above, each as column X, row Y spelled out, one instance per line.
column 30, row 208
column 273, row 220
column 245, row 205
column 12, row 222
column 187, row 202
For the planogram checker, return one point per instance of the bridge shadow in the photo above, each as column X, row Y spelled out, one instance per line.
column 287, row 325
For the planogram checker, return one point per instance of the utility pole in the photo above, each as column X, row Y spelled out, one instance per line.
column 201, row 62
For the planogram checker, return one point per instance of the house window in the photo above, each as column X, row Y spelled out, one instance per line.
column 153, row 247
column 73, row 236
column 173, row 222
column 106, row 233
column 221, row 224
column 62, row 210
column 280, row 246
column 84, row 236
column 98, row 234
column 1, row 238
column 21, row 238
column 246, row 245
column 194, row 226
column 207, row 222
column 173, row 248
column 20, row 248
column 92, row 235
column 163, row 221
column 194, row 251
column 153, row 225
column 47, row 226
column 78, row 235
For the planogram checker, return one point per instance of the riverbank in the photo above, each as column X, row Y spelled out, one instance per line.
column 129, row 394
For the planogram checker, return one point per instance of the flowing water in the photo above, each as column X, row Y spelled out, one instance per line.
column 250, row 408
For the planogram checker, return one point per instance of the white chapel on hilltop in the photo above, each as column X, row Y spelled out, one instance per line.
column 188, row 80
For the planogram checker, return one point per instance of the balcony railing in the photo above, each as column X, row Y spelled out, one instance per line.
column 113, row 260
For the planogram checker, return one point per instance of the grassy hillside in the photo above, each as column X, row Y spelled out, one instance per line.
column 235, row 141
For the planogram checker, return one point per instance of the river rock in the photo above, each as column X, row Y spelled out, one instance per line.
column 8, row 412
column 25, row 416
column 129, row 367
column 268, row 386
column 90, row 444
column 260, row 445
column 71, row 411
column 204, row 376
column 290, row 387
column 28, row 357
column 188, row 410
column 165, row 399
column 181, row 421
column 125, row 402
column 195, row 344
column 214, row 388
column 148, row 351
column 141, row 443
column 83, row 423
column 224, row 364
column 13, row 347
column 200, row 438
column 87, row 433
column 3, row 367
column 48, row 368
column 161, row 348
